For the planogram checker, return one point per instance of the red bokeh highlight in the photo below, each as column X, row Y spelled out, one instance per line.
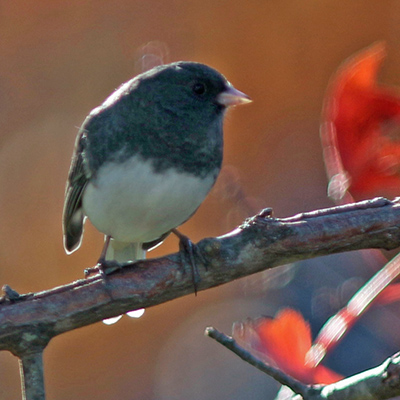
column 359, row 122
column 284, row 342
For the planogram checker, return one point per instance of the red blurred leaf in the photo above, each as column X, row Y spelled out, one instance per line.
column 390, row 295
column 358, row 130
column 283, row 341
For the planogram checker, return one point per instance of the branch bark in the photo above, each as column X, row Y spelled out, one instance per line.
column 29, row 321
column 31, row 371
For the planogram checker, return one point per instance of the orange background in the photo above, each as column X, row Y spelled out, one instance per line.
column 58, row 60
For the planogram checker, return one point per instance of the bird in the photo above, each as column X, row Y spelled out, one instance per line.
column 146, row 158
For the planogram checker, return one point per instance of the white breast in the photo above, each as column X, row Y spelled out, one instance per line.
column 132, row 203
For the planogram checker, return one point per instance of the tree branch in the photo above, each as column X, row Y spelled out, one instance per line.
column 28, row 322
column 381, row 382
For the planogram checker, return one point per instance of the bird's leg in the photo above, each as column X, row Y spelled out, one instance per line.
column 103, row 266
column 188, row 248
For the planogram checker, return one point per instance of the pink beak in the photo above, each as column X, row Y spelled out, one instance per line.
column 232, row 97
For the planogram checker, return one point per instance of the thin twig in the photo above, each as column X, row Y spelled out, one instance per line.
column 284, row 379
column 381, row 382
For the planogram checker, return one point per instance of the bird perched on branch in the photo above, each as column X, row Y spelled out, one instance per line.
column 146, row 158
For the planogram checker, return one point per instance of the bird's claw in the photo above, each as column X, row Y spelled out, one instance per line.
column 103, row 267
column 189, row 252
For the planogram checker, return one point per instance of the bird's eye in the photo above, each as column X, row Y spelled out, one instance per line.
column 199, row 88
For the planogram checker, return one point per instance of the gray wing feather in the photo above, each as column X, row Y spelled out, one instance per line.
column 73, row 216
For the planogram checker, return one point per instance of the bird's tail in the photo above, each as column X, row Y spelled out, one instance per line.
column 123, row 252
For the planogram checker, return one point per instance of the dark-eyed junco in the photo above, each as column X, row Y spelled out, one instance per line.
column 146, row 158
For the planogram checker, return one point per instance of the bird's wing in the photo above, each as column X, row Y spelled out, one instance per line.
column 73, row 216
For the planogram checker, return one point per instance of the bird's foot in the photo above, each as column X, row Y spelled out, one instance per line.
column 188, row 253
column 103, row 267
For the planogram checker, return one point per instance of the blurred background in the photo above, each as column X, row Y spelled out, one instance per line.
column 58, row 60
